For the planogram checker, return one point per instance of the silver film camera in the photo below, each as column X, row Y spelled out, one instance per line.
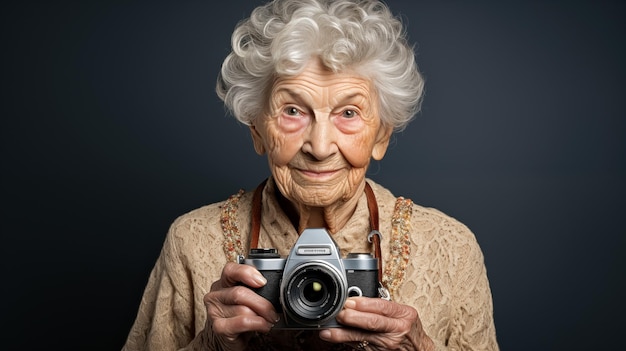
column 310, row 286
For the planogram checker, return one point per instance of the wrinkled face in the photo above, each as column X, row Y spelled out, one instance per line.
column 319, row 131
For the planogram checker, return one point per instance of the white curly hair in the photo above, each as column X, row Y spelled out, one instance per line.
column 282, row 36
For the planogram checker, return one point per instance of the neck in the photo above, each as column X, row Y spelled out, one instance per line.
column 332, row 217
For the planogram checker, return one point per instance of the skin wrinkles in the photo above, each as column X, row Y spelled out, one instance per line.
column 320, row 131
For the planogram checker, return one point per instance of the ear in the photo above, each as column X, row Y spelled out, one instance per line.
column 257, row 140
column 382, row 142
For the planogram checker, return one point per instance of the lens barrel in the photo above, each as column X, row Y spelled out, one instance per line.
column 313, row 293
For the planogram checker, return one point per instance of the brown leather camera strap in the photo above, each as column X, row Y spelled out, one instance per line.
column 373, row 237
column 256, row 215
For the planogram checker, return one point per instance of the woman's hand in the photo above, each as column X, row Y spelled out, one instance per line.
column 233, row 310
column 381, row 324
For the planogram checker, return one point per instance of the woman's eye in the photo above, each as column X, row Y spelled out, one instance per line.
column 291, row 111
column 349, row 113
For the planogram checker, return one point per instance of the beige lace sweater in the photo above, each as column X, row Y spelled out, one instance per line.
column 432, row 262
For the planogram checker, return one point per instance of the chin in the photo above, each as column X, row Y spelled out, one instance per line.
column 323, row 196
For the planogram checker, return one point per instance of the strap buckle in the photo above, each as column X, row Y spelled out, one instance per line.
column 383, row 292
column 372, row 233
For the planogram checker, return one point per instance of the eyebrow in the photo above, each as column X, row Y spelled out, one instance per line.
column 293, row 93
column 352, row 96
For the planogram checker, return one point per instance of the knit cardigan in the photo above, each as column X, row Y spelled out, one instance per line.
column 431, row 262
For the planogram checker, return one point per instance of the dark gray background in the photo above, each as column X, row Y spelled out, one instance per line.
column 111, row 128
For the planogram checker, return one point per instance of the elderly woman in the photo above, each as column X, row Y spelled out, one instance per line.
column 322, row 85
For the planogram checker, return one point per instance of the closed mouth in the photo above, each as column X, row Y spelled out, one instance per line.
column 318, row 174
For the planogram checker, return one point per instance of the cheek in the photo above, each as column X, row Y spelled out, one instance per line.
column 357, row 150
column 285, row 140
column 284, row 151
column 356, row 139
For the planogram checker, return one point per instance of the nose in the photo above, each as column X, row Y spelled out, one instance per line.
column 321, row 139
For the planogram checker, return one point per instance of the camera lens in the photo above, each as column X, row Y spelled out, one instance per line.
column 314, row 293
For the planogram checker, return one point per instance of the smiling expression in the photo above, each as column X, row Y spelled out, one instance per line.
column 320, row 131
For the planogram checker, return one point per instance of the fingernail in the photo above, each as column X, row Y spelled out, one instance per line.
column 260, row 279
column 350, row 304
column 325, row 334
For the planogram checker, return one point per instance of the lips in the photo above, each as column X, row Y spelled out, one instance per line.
column 307, row 169
column 319, row 175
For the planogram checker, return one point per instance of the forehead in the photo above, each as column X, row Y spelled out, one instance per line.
column 315, row 76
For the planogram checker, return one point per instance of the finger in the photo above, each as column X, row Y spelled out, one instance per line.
column 343, row 335
column 234, row 326
column 356, row 337
column 378, row 322
column 219, row 303
column 234, row 274
column 371, row 322
column 381, row 307
column 227, row 311
column 377, row 315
